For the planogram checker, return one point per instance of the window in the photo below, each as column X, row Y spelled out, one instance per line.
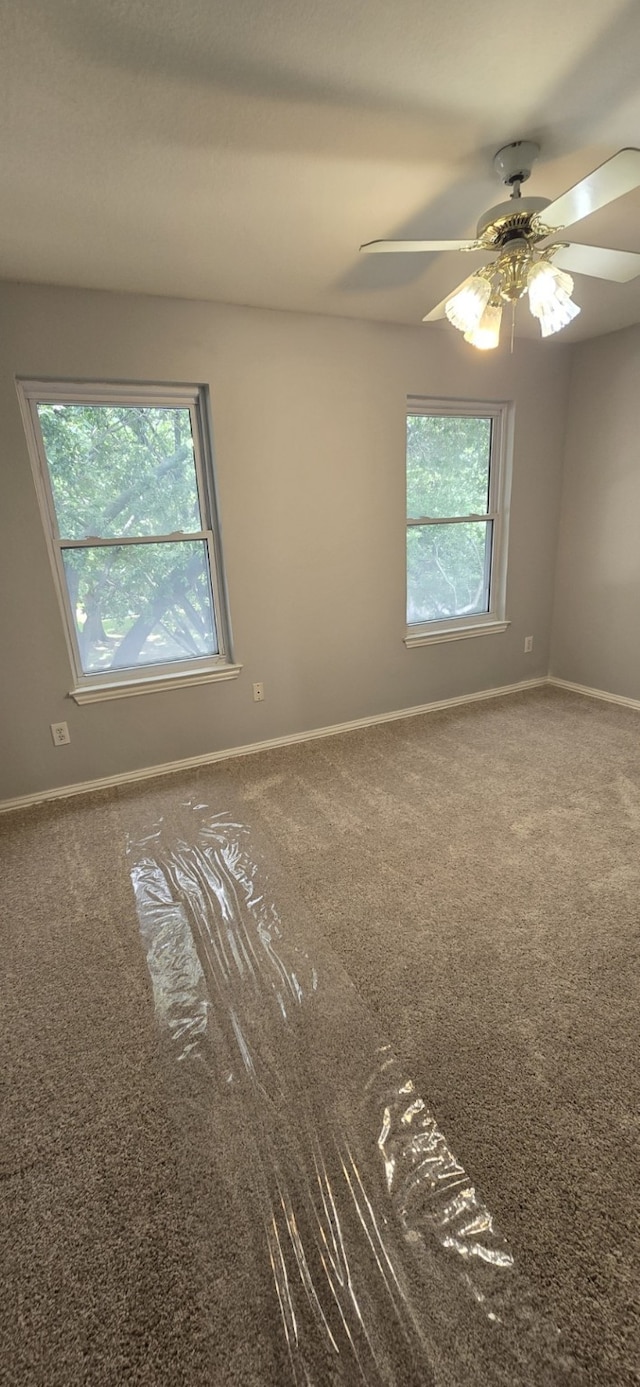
column 125, row 482
column 456, row 521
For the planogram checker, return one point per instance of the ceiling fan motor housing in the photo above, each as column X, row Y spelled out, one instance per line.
column 510, row 220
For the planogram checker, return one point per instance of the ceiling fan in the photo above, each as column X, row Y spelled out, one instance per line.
column 524, row 234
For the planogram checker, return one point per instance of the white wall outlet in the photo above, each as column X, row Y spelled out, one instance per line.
column 528, row 645
column 258, row 693
column 60, row 733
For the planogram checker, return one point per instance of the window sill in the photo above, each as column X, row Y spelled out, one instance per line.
column 459, row 633
column 154, row 684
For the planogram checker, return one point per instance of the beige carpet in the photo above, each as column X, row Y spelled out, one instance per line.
column 476, row 874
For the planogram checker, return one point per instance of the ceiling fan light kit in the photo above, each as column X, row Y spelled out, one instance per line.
column 550, row 299
column 486, row 334
column 465, row 308
column 523, row 233
column 476, row 308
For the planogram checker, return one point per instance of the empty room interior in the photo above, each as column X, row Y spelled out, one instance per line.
column 320, row 693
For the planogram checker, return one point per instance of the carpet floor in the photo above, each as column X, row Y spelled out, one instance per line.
column 475, row 875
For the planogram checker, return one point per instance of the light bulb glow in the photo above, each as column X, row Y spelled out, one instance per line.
column 486, row 334
column 465, row 309
column 550, row 299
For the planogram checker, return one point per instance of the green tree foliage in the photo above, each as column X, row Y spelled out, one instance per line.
column 129, row 472
column 447, row 476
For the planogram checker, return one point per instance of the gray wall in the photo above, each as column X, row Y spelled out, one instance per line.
column 596, row 629
column 309, row 435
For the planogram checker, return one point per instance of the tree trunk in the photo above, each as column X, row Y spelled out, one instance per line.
column 170, row 590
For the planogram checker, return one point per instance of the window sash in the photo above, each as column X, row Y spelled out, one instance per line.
column 163, row 623
column 465, row 616
column 31, row 394
column 190, row 402
column 96, row 542
column 450, row 519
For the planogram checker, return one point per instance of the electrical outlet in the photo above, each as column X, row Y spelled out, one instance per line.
column 528, row 645
column 60, row 733
column 258, row 693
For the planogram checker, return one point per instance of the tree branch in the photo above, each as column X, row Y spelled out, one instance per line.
column 122, row 501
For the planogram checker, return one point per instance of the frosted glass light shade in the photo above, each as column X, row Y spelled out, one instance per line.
column 465, row 308
column 486, row 334
column 550, row 299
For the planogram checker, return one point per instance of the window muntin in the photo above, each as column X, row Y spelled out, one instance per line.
column 129, row 500
column 454, row 491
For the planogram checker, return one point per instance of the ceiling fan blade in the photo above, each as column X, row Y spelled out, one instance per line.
column 438, row 311
column 619, row 265
column 620, row 174
column 374, row 247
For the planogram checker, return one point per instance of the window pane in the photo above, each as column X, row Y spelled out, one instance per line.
column 120, row 469
column 447, row 465
column 448, row 568
column 140, row 604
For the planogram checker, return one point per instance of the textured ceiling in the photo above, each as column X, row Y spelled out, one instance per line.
column 241, row 150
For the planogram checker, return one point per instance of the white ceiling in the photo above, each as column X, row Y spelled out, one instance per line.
column 241, row 150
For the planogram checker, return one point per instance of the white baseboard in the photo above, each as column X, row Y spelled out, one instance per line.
column 192, row 762
column 593, row 693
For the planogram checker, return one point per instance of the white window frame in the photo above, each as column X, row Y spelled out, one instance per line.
column 494, row 621
column 91, row 688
